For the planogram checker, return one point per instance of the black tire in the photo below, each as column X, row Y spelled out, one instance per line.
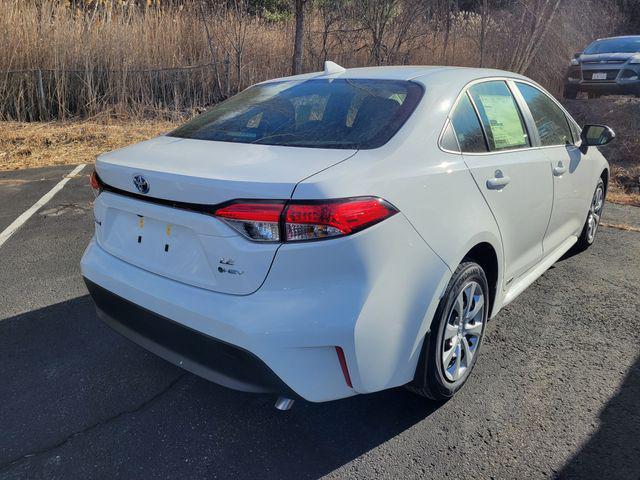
column 586, row 239
column 570, row 93
column 430, row 380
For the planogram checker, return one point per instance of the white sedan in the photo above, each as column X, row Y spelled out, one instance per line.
column 342, row 232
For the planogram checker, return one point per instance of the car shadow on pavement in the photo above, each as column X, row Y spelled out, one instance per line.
column 80, row 401
column 613, row 451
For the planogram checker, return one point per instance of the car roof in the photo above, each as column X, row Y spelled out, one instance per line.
column 618, row 37
column 406, row 72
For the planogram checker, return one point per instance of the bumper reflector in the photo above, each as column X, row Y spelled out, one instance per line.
column 343, row 365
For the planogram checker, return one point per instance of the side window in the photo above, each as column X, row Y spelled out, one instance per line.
column 449, row 141
column 551, row 121
column 577, row 132
column 500, row 116
column 467, row 127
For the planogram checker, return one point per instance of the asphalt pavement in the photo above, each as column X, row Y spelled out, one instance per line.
column 555, row 393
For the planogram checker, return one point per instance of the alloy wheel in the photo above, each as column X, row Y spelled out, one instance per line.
column 463, row 331
column 595, row 211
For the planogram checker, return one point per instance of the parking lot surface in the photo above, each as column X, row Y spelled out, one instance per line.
column 555, row 393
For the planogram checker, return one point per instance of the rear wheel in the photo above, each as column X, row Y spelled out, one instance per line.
column 451, row 348
column 588, row 235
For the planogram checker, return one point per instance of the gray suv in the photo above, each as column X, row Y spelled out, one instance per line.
column 609, row 66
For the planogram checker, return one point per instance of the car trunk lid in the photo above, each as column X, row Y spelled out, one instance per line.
column 187, row 244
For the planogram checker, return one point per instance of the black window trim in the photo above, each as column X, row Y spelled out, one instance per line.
column 569, row 119
column 465, row 91
column 479, row 118
column 508, row 81
column 521, row 114
column 449, row 121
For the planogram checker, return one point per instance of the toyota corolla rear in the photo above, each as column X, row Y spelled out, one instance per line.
column 204, row 254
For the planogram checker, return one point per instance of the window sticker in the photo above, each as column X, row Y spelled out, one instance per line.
column 504, row 121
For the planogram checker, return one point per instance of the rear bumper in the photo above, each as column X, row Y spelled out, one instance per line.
column 605, row 88
column 210, row 358
column 373, row 294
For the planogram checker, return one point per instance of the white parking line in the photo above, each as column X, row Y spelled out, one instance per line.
column 18, row 222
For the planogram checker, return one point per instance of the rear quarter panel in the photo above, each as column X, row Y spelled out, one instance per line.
column 433, row 190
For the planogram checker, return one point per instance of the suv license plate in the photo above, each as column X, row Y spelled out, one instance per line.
column 599, row 76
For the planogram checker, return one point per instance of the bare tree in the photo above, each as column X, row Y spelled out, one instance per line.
column 212, row 50
column 296, row 65
column 447, row 9
column 484, row 18
column 375, row 16
column 332, row 14
column 232, row 28
column 536, row 17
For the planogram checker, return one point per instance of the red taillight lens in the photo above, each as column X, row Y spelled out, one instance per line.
column 94, row 181
column 258, row 221
column 302, row 221
column 322, row 220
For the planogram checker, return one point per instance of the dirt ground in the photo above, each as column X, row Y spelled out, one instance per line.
column 30, row 145
column 623, row 115
column 39, row 144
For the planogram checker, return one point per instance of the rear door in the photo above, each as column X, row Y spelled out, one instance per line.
column 567, row 164
column 511, row 173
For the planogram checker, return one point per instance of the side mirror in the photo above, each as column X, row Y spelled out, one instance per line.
column 596, row 136
column 577, row 54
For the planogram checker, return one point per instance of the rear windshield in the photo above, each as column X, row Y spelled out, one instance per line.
column 322, row 113
column 614, row 45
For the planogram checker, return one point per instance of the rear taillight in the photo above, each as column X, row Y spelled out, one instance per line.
column 257, row 221
column 302, row 221
column 322, row 220
column 94, row 181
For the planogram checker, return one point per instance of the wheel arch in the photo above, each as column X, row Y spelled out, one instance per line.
column 483, row 252
column 605, row 178
column 485, row 255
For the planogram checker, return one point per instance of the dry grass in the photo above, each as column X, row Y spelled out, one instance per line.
column 621, row 226
column 618, row 195
column 625, row 171
column 31, row 145
column 620, row 113
column 57, row 62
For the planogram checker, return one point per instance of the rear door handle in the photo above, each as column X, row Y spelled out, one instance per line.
column 559, row 170
column 498, row 182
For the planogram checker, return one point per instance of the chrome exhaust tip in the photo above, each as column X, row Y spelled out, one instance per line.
column 284, row 404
